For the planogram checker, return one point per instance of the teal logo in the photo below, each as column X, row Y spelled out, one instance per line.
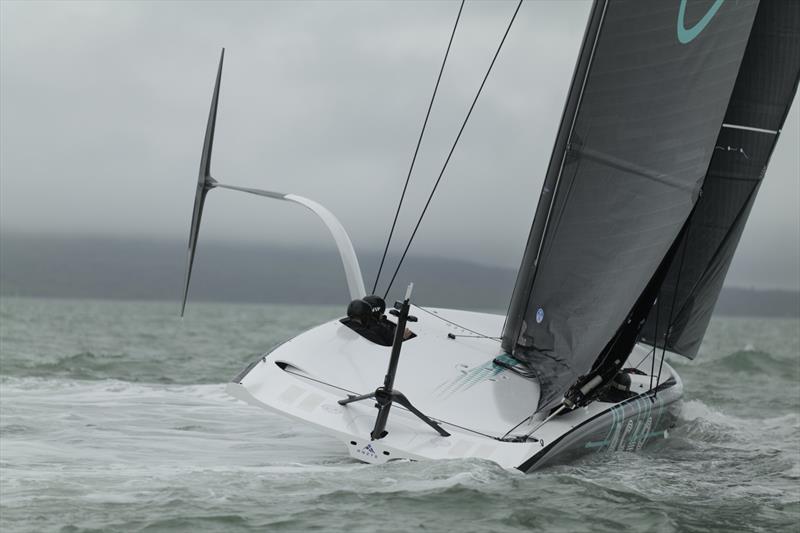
column 687, row 35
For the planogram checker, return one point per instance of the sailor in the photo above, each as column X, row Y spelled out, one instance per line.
column 366, row 318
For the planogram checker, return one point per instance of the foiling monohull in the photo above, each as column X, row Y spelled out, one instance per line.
column 673, row 112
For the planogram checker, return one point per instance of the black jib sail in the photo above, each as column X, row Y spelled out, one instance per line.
column 641, row 123
column 759, row 104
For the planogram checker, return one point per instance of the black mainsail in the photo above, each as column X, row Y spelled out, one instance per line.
column 643, row 118
column 758, row 107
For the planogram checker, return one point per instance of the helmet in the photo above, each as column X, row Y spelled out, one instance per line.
column 359, row 310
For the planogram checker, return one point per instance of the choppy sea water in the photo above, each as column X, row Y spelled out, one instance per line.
column 113, row 417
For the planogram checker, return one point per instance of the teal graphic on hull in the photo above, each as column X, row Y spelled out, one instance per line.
column 473, row 376
column 630, row 432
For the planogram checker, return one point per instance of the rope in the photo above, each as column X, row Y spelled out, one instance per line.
column 655, row 344
column 672, row 306
column 416, row 150
column 477, row 333
column 452, row 149
column 306, row 376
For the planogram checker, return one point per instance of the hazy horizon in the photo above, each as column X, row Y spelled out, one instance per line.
column 153, row 269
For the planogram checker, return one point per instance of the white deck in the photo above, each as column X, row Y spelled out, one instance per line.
column 450, row 380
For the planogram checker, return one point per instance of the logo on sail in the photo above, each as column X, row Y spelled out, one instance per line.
column 687, row 35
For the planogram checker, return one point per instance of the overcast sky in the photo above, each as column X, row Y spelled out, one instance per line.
column 103, row 109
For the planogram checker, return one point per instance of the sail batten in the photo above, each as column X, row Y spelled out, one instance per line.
column 630, row 162
column 750, row 128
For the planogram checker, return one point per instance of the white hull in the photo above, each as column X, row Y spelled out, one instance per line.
column 453, row 381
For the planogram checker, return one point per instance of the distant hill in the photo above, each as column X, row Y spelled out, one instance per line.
column 140, row 269
column 73, row 267
column 734, row 301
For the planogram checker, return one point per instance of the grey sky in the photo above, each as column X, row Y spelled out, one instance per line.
column 103, row 107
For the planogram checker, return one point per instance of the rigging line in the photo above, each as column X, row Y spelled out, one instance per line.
column 650, row 352
column 305, row 376
column 655, row 336
column 416, row 150
column 515, row 427
column 479, row 334
column 674, row 298
column 452, row 149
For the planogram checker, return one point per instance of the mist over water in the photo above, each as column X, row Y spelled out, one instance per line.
column 113, row 417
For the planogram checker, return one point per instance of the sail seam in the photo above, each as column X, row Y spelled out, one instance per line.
column 627, row 166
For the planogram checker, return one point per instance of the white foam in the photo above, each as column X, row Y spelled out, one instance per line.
column 696, row 409
column 782, row 426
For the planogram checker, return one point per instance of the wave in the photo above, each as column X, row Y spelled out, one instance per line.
column 73, row 386
column 748, row 360
column 187, row 457
column 696, row 409
column 84, row 365
column 703, row 423
column 136, row 368
column 758, row 361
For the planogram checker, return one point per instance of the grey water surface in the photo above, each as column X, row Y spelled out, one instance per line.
column 113, row 417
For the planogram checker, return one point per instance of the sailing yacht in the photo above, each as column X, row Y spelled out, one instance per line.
column 674, row 110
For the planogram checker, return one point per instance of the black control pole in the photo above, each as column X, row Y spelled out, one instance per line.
column 383, row 395
column 386, row 395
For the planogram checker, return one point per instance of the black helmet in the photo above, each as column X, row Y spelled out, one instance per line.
column 359, row 310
